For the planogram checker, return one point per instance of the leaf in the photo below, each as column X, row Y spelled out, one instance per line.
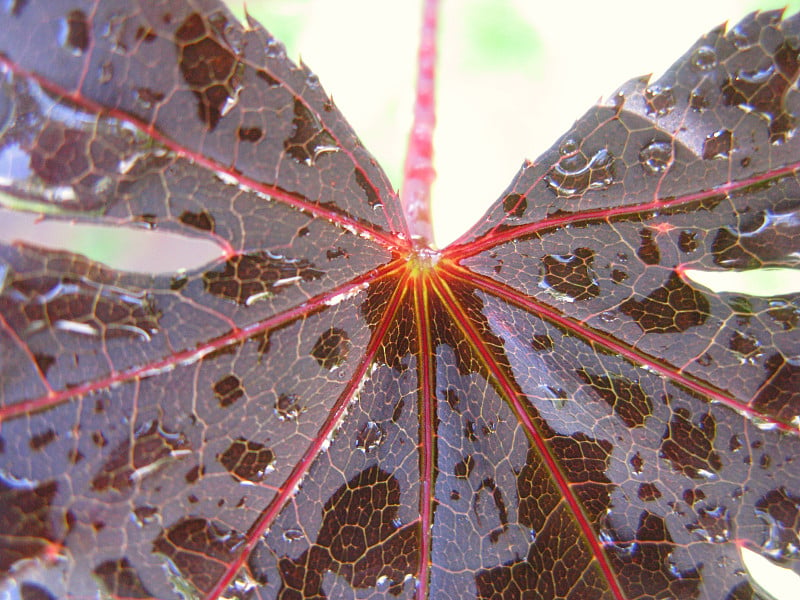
column 549, row 407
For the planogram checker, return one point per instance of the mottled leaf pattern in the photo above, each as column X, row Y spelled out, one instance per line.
column 550, row 407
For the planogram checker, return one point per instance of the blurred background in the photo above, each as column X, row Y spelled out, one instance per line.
column 512, row 77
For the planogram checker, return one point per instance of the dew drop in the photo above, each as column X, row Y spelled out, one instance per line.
column 250, row 134
column 287, row 407
column 105, row 72
column 575, row 174
column 704, row 59
column 568, row 146
column 73, row 32
column 746, row 347
column 145, row 97
column 312, row 81
column 713, row 525
column 292, row 535
column 687, row 242
column 608, row 316
column 618, row 275
column 275, row 49
column 143, row 515
column 228, row 390
column 370, row 437
column 515, row 205
column 331, row 349
column 698, row 100
column 655, row 157
column 659, row 99
column 718, row 144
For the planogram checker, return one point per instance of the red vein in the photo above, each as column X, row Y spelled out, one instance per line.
column 427, row 434
column 418, row 175
column 335, row 416
column 629, row 352
column 456, row 311
column 467, row 249
column 273, row 191
column 54, row 398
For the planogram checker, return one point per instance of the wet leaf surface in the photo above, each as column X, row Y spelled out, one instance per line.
column 549, row 407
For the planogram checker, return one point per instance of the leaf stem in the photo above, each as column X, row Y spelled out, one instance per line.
column 418, row 174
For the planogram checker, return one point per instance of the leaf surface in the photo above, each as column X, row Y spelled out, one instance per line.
column 550, row 406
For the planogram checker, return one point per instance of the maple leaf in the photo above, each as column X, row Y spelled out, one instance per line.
column 550, row 406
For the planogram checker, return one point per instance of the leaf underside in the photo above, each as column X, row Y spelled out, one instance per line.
column 547, row 408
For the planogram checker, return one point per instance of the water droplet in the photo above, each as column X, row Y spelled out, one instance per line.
column 637, row 463
column 659, row 99
column 228, row 390
column 785, row 314
column 42, row 440
column 718, row 144
column 312, row 81
column 648, row 249
column 705, row 360
column 698, row 99
column 687, row 242
column 746, row 347
column 757, row 76
column 287, row 407
column 73, row 32
column 541, row 343
column 292, row 535
column 712, row 525
column 275, row 49
column 608, row 316
column 515, row 205
column 655, row 157
column 575, row 174
column 106, row 72
column 247, row 460
column 568, row 146
column 332, row 348
column 370, row 437
column 618, row 275
column 250, row 134
column 145, row 97
column 704, row 59
column 143, row 515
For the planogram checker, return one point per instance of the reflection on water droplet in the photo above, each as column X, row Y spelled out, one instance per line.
column 718, row 144
column 515, row 205
column 105, row 72
column 332, row 348
column 704, row 59
column 780, row 511
column 608, row 316
column 575, row 174
column 73, row 32
column 746, row 347
column 370, row 437
column 145, row 97
column 712, row 525
column 568, row 146
column 276, row 49
column 228, row 390
column 143, row 515
column 287, row 407
column 659, row 99
column 698, row 99
column 248, row 461
column 687, row 242
column 655, row 157
column 292, row 535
